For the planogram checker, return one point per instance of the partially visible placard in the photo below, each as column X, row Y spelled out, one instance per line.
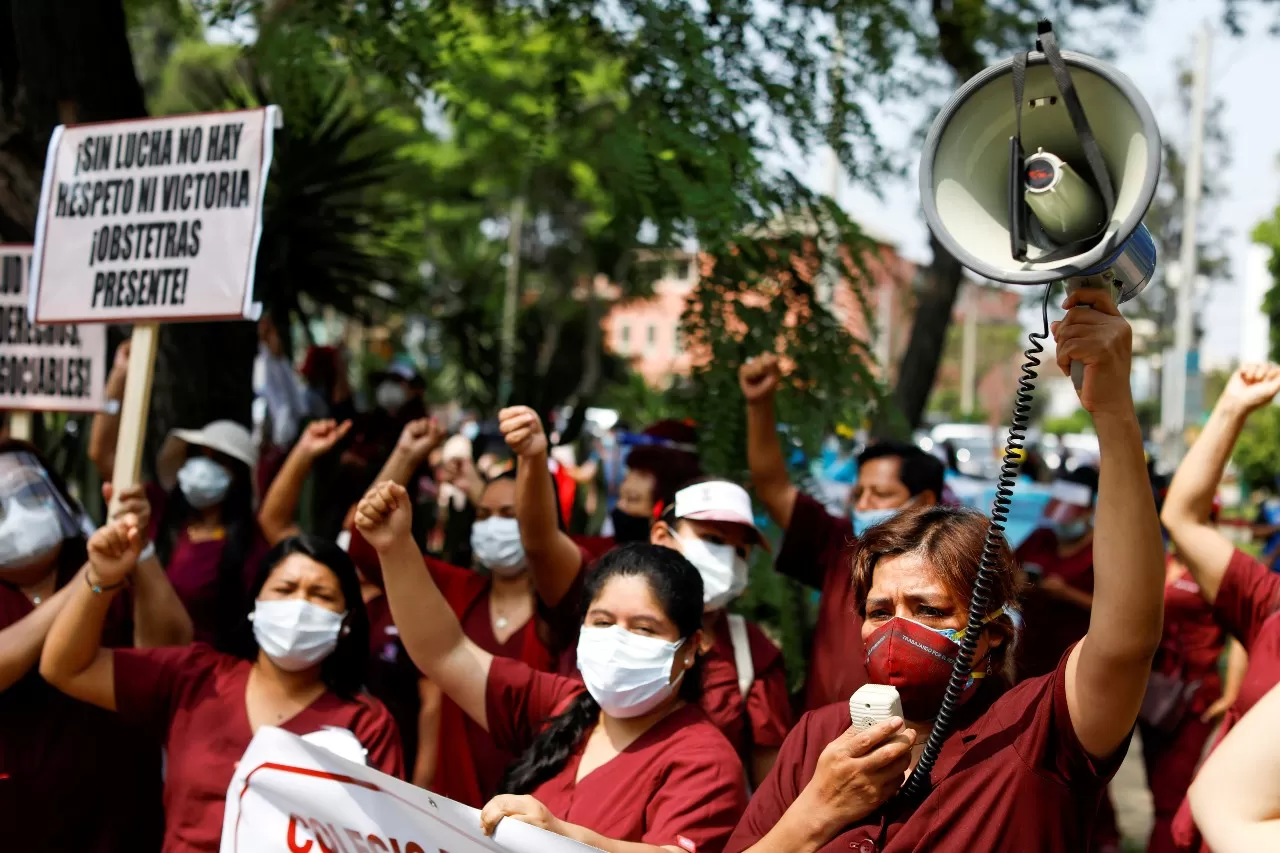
column 152, row 221
column 45, row 368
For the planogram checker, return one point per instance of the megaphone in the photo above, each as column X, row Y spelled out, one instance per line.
column 1040, row 168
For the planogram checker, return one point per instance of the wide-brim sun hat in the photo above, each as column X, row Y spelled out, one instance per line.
column 226, row 437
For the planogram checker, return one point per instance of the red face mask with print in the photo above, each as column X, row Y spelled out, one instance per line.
column 917, row 660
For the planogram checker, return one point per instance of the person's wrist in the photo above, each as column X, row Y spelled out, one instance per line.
column 811, row 820
column 1233, row 407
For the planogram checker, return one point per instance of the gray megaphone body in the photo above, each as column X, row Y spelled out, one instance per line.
column 1040, row 168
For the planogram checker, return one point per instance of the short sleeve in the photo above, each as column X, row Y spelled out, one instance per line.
column 700, row 799
column 776, row 794
column 768, row 702
column 1048, row 739
column 813, row 540
column 519, row 700
column 149, row 683
column 380, row 737
column 1248, row 596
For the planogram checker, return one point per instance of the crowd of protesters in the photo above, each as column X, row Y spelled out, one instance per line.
column 427, row 601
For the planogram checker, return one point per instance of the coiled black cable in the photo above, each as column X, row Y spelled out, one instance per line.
column 980, row 604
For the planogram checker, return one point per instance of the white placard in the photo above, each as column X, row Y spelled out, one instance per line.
column 152, row 221
column 45, row 368
column 288, row 794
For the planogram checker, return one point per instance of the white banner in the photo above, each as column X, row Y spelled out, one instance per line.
column 45, row 368
column 155, row 220
column 291, row 795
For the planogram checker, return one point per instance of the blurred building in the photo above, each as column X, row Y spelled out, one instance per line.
column 648, row 331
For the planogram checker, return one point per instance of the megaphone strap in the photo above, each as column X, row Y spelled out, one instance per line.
column 1048, row 44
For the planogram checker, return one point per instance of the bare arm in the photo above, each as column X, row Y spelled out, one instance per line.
column 424, row 765
column 106, row 428
column 1107, row 671
column 278, row 516
column 21, row 642
column 417, row 440
column 1236, row 795
column 159, row 617
column 1204, row 550
column 74, row 660
column 428, row 627
column 554, row 560
column 759, row 379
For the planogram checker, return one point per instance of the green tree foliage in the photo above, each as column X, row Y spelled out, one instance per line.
column 1268, row 234
column 1257, row 453
column 1077, row 421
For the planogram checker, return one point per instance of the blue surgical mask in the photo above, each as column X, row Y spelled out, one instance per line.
column 864, row 518
column 203, row 482
column 1070, row 531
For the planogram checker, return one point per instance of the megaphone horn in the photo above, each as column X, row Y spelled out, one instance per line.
column 1041, row 167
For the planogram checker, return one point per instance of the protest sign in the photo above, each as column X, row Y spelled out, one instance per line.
column 45, row 368
column 288, row 794
column 154, row 220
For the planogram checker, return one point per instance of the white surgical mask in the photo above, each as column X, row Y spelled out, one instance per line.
column 27, row 534
column 295, row 634
column 864, row 518
column 724, row 573
column 390, row 396
column 627, row 674
column 204, row 483
column 496, row 544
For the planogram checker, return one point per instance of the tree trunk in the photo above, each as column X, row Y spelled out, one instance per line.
column 920, row 362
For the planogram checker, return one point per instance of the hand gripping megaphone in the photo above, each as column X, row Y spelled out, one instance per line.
column 1040, row 168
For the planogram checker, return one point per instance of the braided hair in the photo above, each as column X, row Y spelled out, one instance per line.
column 677, row 587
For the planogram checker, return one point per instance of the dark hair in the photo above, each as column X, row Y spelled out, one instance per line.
column 345, row 670
column 677, row 586
column 919, row 471
column 951, row 540
column 75, row 549
column 241, row 525
column 1084, row 475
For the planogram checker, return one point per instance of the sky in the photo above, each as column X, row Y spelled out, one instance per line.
column 1244, row 73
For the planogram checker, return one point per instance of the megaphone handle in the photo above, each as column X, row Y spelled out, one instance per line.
column 1074, row 284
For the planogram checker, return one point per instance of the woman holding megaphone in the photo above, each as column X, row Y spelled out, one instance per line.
column 1022, row 768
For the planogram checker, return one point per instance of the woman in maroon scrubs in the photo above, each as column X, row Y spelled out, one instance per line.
column 744, row 683
column 1244, row 594
column 304, row 654
column 622, row 760
column 1023, row 768
column 55, row 751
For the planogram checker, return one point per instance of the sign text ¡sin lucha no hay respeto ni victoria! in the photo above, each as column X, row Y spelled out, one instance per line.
column 45, row 368
column 152, row 221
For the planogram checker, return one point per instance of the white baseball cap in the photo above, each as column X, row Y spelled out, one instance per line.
column 718, row 500
column 226, row 437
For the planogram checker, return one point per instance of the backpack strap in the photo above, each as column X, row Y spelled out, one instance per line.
column 741, row 652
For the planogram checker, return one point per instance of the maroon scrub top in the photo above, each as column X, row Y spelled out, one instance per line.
column 1011, row 777
column 818, row 551
column 761, row 718
column 679, row 784
column 196, row 696
column 393, row 678
column 73, row 776
column 1052, row 625
column 1248, row 607
column 1192, row 641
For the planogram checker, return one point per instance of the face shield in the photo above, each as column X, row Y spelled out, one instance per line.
column 34, row 516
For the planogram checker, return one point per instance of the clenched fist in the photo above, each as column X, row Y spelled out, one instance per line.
column 1252, row 386
column 759, row 378
column 113, row 550
column 523, row 431
column 384, row 516
column 320, row 436
column 420, row 437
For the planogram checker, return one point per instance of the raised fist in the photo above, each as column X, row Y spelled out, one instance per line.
column 1252, row 386
column 384, row 515
column 523, row 431
column 320, row 436
column 113, row 550
column 420, row 437
column 759, row 378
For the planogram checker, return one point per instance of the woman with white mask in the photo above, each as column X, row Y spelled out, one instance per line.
column 55, row 751
column 302, row 655
column 744, row 684
column 623, row 760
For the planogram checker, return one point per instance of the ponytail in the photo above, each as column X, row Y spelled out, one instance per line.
column 546, row 756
